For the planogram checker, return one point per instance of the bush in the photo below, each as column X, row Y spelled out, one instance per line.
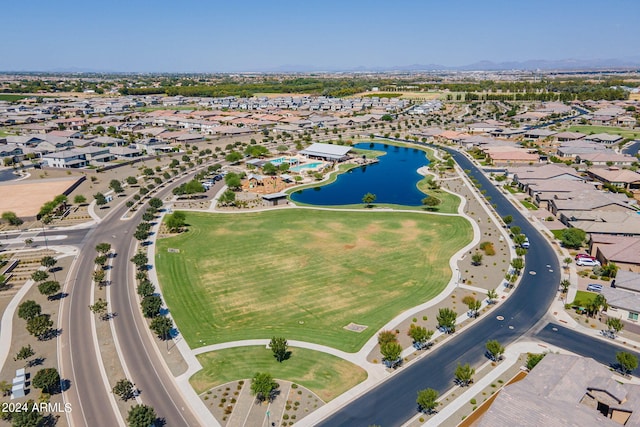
column 472, row 401
column 488, row 248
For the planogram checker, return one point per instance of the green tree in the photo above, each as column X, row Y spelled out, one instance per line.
column 627, row 362
column 428, row 400
column 507, row 219
column 263, row 385
column 145, row 288
column 140, row 260
column 495, row 350
column 99, row 277
column 233, row 157
column 447, row 319
column 431, row 202
column 101, row 260
column 11, row 218
column 519, row 239
column 565, row 284
column 176, row 221
column 99, row 307
column 39, row 276
column 464, row 374
column 29, row 309
column 148, row 216
column 162, row 326
column 141, row 235
column 615, row 325
column 47, row 379
column 517, row 264
column 39, row 326
column 227, row 198
column 420, row 335
column 256, row 151
column 25, row 353
column 533, row 359
column 515, row 230
column 567, row 261
column 151, row 306
column 29, row 418
column 610, row 270
column 131, row 180
column 100, row 199
column 386, row 336
column 193, row 187
column 116, row 186
column 232, row 180
column 476, row 258
column 141, row 416
column 48, row 261
column 368, row 199
column 269, row 169
column 492, row 296
column 474, row 305
column 391, row 352
column 280, row 348
column 103, row 248
column 49, row 288
column 5, row 388
column 123, row 389
column 572, row 237
column 156, row 203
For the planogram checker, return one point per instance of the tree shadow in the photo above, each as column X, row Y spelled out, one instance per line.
column 38, row 361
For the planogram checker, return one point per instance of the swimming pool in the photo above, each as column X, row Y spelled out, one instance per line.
column 306, row 166
column 281, row 160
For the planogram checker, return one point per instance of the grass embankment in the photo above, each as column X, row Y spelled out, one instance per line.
column 326, row 375
column 587, row 129
column 304, row 274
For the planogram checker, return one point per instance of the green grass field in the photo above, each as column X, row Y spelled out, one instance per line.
column 304, row 274
column 326, row 375
column 12, row 97
column 583, row 298
column 623, row 132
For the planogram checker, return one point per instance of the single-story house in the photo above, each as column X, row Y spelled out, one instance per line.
column 565, row 390
column 624, row 251
column 603, row 138
column 621, row 178
column 606, row 158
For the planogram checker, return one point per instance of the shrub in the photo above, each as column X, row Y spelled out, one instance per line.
column 488, row 248
column 472, row 401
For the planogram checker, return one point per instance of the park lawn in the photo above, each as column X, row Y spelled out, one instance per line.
column 449, row 202
column 557, row 233
column 587, row 129
column 326, row 375
column 304, row 274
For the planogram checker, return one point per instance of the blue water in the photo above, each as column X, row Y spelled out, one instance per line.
column 393, row 180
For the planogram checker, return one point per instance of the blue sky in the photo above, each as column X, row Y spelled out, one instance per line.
column 251, row 35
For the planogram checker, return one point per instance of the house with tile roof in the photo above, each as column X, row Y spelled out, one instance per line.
column 566, row 390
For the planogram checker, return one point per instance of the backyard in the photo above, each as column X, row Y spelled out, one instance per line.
column 304, row 274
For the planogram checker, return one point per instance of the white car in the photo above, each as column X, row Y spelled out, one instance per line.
column 586, row 262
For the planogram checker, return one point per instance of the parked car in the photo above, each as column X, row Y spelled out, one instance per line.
column 584, row 256
column 525, row 244
column 586, row 262
column 594, row 287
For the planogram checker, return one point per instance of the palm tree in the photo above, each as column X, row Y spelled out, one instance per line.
column 564, row 284
column 492, row 296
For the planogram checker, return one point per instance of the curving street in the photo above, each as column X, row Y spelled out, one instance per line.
column 78, row 358
column 393, row 402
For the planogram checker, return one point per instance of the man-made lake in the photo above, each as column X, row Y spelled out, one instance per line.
column 393, row 180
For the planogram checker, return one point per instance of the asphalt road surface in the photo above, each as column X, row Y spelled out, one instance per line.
column 393, row 402
column 584, row 345
column 77, row 354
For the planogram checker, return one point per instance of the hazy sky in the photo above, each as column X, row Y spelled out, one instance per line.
column 250, row 35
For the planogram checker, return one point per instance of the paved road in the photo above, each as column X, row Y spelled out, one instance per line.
column 584, row 345
column 632, row 148
column 77, row 355
column 393, row 402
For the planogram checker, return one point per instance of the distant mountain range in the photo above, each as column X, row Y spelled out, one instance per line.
column 532, row 65
column 529, row 65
